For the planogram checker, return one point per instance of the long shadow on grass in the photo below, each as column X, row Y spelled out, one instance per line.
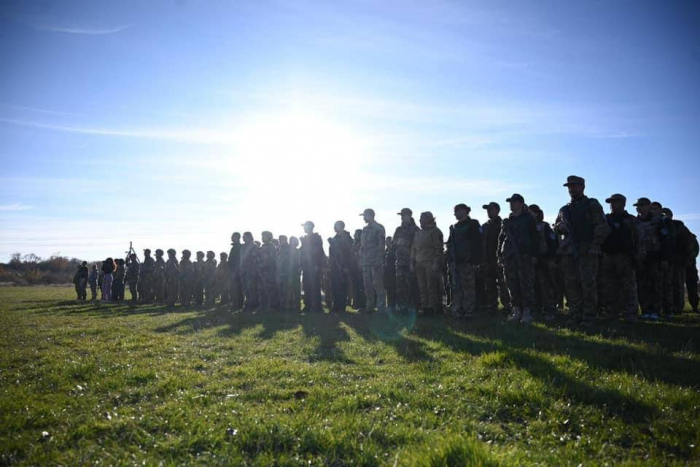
column 609, row 400
column 330, row 329
column 654, row 363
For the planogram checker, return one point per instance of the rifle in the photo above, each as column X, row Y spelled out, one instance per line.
column 131, row 250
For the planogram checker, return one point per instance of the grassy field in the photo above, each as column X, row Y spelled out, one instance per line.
column 84, row 383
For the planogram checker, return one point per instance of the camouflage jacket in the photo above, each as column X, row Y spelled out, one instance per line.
column 490, row 232
column 403, row 241
column 373, row 244
column 248, row 257
column 234, row 257
column 340, row 252
column 311, row 251
column 171, row 269
column 428, row 246
column 132, row 271
column 268, row 259
column 159, row 268
column 147, row 266
column 222, row 272
column 582, row 226
column 187, row 273
column 209, row 271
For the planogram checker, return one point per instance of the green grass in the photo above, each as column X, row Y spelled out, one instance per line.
column 118, row 385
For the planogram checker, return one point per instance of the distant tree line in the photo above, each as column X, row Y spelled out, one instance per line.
column 33, row 270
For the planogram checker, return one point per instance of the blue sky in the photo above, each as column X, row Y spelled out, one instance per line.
column 174, row 123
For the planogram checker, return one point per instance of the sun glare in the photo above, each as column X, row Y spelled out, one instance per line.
column 310, row 164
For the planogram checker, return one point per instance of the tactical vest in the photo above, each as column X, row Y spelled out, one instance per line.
column 621, row 237
column 580, row 223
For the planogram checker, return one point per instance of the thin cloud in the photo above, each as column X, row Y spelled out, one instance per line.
column 14, row 207
column 86, row 31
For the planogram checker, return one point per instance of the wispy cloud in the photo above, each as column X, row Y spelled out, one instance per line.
column 79, row 30
column 14, row 207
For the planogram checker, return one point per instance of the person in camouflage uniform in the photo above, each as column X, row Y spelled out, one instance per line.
column 198, row 279
column 357, row 286
column 209, row 278
column 681, row 252
column 518, row 247
column 312, row 262
column 649, row 273
column 159, row 278
column 294, row 274
column 283, row 269
column 145, row 284
column 80, row 279
column 339, row 260
column 132, row 276
column 427, row 259
column 92, row 280
column 583, row 228
column 222, row 282
column 668, row 245
column 407, row 291
column 464, row 249
column 188, row 278
column 249, row 275
column 268, row 273
column 372, row 262
column 234, row 261
column 118, row 283
column 171, row 275
column 491, row 271
column 622, row 251
column 545, row 300
column 691, row 272
column 390, row 273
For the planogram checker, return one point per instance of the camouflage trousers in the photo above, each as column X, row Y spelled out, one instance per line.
column 133, row 289
column 678, row 288
column 186, row 291
column 198, row 291
column 407, row 291
column 520, row 280
column 545, row 300
column 81, row 290
column 295, row 291
column 649, row 286
column 209, row 292
column 159, row 289
column 236, row 290
column 430, row 285
column 171, row 289
column 494, row 286
column 268, row 299
column 390, row 285
column 339, row 284
column 312, row 288
column 667, row 287
column 250, row 290
column 463, row 276
column 580, row 279
column 373, row 281
column 691, row 284
column 145, row 287
column 222, row 289
column 619, row 285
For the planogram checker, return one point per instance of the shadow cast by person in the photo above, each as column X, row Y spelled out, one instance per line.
column 655, row 364
column 459, row 338
column 391, row 329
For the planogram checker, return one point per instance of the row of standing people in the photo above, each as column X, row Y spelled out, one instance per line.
column 610, row 264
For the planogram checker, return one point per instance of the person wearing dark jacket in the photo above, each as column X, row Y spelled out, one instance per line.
column 518, row 246
column 545, row 300
column 464, row 249
column 108, row 268
column 491, row 272
column 623, row 251
column 80, row 280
